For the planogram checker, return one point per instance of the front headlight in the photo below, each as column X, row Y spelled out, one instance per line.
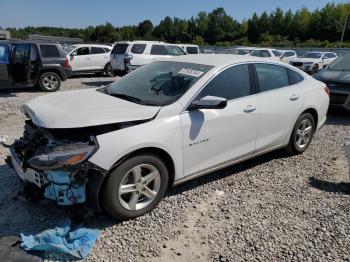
column 61, row 156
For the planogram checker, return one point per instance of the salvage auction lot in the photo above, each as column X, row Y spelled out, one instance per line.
column 273, row 207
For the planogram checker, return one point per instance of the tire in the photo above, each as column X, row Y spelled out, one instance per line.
column 121, row 192
column 49, row 82
column 109, row 70
column 302, row 134
column 314, row 69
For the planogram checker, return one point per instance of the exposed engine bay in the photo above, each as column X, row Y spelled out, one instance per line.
column 55, row 162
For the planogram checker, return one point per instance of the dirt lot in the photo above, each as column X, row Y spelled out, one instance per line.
column 274, row 207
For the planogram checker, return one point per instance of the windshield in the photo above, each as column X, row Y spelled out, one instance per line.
column 341, row 64
column 312, row 55
column 119, row 49
column 159, row 83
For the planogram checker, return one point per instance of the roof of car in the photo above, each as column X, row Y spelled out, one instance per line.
column 139, row 42
column 92, row 45
column 216, row 59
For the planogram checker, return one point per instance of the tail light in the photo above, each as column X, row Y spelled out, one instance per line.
column 327, row 90
column 67, row 65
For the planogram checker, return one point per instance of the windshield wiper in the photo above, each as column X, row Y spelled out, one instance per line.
column 127, row 97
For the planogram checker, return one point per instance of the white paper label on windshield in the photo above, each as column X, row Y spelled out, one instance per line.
column 190, row 72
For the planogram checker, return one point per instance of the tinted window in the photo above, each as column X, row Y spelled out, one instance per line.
column 97, row 50
column 82, row 51
column 158, row 50
column 232, row 83
column 49, row 51
column 265, row 53
column 21, row 52
column 192, row 50
column 138, row 48
column 312, row 55
column 330, row 55
column 277, row 53
column 288, row 54
column 294, row 77
column 256, row 53
column 33, row 54
column 174, row 50
column 271, row 77
column 119, row 49
column 3, row 54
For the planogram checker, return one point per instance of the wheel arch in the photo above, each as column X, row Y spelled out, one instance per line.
column 161, row 153
column 314, row 114
column 50, row 70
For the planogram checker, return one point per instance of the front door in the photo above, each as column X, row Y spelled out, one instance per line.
column 214, row 137
column 5, row 80
column 80, row 59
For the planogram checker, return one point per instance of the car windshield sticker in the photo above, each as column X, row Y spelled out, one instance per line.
column 190, row 72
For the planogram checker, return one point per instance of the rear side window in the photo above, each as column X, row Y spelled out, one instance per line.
column 4, row 54
column 294, row 77
column 265, row 53
column 97, row 50
column 158, row 50
column 138, row 48
column 232, row 83
column 49, row 51
column 271, row 77
column 175, row 50
column 119, row 49
column 192, row 50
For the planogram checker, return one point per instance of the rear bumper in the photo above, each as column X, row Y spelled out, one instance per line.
column 340, row 99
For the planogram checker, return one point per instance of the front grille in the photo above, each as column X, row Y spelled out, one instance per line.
column 338, row 99
column 297, row 63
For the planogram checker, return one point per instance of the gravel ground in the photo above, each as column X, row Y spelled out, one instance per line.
column 274, row 207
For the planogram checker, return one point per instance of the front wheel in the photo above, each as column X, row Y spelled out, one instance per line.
column 302, row 134
column 135, row 187
column 49, row 82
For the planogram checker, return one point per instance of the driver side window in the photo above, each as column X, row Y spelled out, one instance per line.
column 82, row 51
column 232, row 83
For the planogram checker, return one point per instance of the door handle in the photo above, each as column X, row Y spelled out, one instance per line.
column 294, row 97
column 249, row 109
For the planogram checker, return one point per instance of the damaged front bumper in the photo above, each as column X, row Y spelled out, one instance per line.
column 57, row 169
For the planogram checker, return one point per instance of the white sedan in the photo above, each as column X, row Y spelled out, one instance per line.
column 122, row 146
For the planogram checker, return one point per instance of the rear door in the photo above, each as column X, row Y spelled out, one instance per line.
column 99, row 58
column 4, row 66
column 280, row 104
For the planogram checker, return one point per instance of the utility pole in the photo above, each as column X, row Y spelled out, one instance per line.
column 344, row 29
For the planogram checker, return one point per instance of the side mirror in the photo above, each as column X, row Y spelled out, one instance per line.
column 208, row 102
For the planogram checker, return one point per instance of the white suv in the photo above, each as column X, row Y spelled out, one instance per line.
column 312, row 62
column 127, row 56
column 90, row 58
column 267, row 53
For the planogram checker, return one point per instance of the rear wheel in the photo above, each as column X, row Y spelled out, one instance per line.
column 109, row 71
column 135, row 187
column 314, row 69
column 302, row 134
column 49, row 82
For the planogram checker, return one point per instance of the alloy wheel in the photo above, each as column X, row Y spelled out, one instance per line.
column 139, row 187
column 50, row 82
column 303, row 134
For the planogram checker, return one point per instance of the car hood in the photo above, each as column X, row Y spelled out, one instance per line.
column 327, row 75
column 83, row 108
column 304, row 60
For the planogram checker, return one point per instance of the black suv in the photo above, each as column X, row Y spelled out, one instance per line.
column 39, row 63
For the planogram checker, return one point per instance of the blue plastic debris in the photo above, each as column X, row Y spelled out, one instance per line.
column 62, row 239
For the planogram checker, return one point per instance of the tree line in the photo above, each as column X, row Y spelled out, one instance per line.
column 319, row 28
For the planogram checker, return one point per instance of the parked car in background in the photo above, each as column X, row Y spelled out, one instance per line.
column 273, row 54
column 337, row 78
column 122, row 146
column 239, row 51
column 33, row 63
column 288, row 55
column 129, row 55
column 191, row 49
column 312, row 62
column 90, row 58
